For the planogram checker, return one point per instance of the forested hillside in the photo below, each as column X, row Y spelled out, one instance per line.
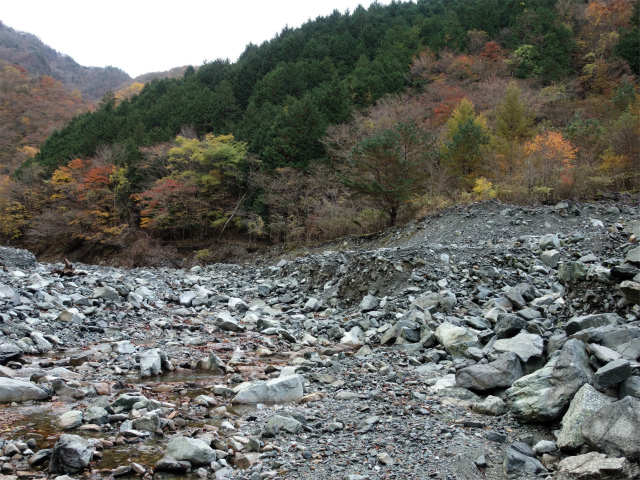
column 351, row 122
column 28, row 51
column 31, row 109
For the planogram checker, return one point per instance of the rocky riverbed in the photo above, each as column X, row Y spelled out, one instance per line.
column 489, row 341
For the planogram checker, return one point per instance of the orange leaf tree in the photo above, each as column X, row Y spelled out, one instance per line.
column 548, row 163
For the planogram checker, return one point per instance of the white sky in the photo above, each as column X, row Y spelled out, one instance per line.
column 142, row 36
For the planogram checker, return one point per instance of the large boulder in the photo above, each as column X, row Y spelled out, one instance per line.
column 455, row 340
column 586, row 402
column 193, row 450
column 615, row 429
column 71, row 454
column 150, row 363
column 596, row 466
column 12, row 390
column 500, row 373
column 279, row 390
column 544, row 395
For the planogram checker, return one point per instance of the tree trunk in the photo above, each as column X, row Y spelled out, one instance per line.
column 393, row 216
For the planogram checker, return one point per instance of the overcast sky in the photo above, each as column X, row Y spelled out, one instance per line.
column 142, row 36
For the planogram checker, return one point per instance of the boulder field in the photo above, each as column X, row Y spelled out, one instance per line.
column 486, row 341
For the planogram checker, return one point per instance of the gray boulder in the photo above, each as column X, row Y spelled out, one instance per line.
column 630, row 388
column 549, row 241
column 71, row 454
column 395, row 332
column 106, row 293
column 544, row 395
column 604, row 354
column 368, row 303
column 224, row 321
column 69, row 420
column 500, row 373
column 550, row 258
column 577, row 324
column 278, row 424
column 529, row 348
column 630, row 350
column 517, row 465
column 212, row 364
column 126, row 401
column 509, row 326
column 279, row 390
column 150, row 363
column 12, row 390
column 586, row 402
column 9, row 352
column 171, row 465
column 631, row 291
column 455, row 340
column 596, row 466
column 633, row 256
column 615, row 429
column 612, row 374
column 572, row 271
column 96, row 415
column 193, row 450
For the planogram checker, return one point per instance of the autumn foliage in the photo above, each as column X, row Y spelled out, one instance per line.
column 350, row 123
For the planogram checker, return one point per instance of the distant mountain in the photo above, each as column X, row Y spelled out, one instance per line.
column 31, row 53
column 31, row 109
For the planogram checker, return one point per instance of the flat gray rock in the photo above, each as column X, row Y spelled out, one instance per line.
column 527, row 346
column 279, row 390
column 500, row 373
column 596, row 466
column 12, row 390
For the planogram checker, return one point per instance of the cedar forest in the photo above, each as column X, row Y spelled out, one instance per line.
column 346, row 125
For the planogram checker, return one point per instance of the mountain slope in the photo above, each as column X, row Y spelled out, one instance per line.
column 30, row 52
